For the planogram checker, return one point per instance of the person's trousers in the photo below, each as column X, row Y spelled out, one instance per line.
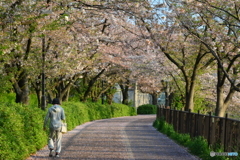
column 55, row 137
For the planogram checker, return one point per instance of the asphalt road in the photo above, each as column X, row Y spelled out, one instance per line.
column 124, row 138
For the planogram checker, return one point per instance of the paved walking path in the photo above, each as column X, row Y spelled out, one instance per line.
column 124, row 138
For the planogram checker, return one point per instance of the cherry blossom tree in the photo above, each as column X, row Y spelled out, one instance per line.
column 16, row 39
column 180, row 47
column 81, row 43
column 31, row 30
column 105, row 37
column 216, row 26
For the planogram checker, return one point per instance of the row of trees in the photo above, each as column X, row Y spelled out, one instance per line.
column 201, row 40
column 81, row 47
column 205, row 35
column 85, row 47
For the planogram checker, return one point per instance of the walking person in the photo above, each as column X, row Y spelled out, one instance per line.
column 56, row 115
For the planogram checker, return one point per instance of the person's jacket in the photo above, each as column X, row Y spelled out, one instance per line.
column 56, row 115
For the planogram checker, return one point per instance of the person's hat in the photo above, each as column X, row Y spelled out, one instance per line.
column 55, row 101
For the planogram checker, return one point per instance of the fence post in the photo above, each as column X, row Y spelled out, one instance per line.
column 175, row 124
column 197, row 126
column 209, row 128
column 179, row 121
column 170, row 115
column 164, row 114
column 225, row 133
column 160, row 111
column 189, row 121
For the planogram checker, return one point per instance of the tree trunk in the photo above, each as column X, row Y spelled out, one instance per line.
column 223, row 103
column 190, row 86
column 171, row 97
column 66, row 95
column 220, row 108
column 124, row 90
column 37, row 87
column 21, row 89
column 91, row 84
column 190, row 97
column 154, row 98
column 63, row 90
column 109, row 98
column 166, row 99
column 38, row 92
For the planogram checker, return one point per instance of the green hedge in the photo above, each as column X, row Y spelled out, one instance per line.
column 21, row 127
column 79, row 113
column 21, row 131
column 147, row 109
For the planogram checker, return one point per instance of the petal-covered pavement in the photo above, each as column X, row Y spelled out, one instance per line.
column 124, row 138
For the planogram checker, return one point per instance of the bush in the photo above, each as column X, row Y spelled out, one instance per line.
column 21, row 127
column 21, row 131
column 119, row 110
column 197, row 146
column 78, row 113
column 147, row 109
column 183, row 139
column 11, row 135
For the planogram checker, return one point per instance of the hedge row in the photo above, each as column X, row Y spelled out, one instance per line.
column 21, row 127
column 147, row 109
column 79, row 113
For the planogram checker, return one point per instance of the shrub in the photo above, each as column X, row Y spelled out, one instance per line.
column 33, row 127
column 7, row 98
column 78, row 113
column 183, row 139
column 147, row 109
column 21, row 127
column 119, row 110
column 197, row 146
column 13, row 143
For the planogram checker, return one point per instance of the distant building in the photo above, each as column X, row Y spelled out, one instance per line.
column 162, row 99
column 141, row 98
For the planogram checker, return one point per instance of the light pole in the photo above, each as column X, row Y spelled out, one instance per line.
column 166, row 90
column 102, row 93
column 43, row 98
column 136, row 95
